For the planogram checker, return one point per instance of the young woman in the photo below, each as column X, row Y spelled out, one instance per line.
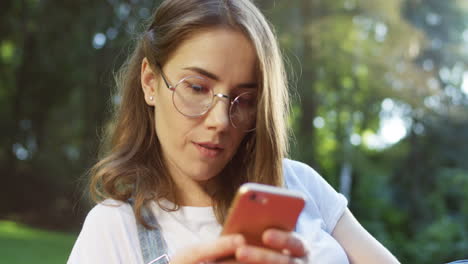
column 203, row 110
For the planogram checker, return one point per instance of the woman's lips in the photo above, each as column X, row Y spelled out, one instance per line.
column 208, row 149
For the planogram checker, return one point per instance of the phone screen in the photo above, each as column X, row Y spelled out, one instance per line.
column 258, row 207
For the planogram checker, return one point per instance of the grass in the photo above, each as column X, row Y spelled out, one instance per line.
column 22, row 244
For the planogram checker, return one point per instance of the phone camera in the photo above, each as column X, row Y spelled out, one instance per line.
column 258, row 198
column 253, row 196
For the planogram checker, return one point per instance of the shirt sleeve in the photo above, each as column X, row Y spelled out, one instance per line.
column 320, row 194
column 108, row 236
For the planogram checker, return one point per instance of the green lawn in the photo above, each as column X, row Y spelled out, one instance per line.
column 20, row 244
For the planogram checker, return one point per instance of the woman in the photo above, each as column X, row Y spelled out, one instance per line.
column 203, row 110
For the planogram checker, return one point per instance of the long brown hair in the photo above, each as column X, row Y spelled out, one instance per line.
column 132, row 164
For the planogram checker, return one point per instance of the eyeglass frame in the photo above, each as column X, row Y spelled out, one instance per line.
column 219, row 95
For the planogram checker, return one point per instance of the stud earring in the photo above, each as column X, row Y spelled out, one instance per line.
column 151, row 98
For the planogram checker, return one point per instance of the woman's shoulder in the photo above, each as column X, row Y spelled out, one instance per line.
column 297, row 166
column 298, row 175
column 110, row 210
column 109, row 232
column 296, row 171
column 321, row 197
column 108, row 216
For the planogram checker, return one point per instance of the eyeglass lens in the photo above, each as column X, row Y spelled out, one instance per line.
column 193, row 97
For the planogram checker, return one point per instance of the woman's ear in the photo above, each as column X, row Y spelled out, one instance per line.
column 149, row 82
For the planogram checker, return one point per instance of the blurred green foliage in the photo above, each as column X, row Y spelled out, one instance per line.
column 22, row 244
column 360, row 72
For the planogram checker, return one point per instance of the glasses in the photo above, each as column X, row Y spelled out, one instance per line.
column 193, row 96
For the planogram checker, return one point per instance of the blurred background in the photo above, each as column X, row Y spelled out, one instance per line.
column 380, row 109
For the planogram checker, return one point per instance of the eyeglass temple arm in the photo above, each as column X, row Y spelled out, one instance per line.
column 164, row 77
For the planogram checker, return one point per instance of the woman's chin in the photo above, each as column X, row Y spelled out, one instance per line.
column 202, row 177
column 203, row 172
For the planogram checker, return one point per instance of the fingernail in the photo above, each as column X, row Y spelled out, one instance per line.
column 242, row 253
column 271, row 236
column 239, row 240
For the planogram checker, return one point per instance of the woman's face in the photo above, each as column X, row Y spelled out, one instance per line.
column 197, row 149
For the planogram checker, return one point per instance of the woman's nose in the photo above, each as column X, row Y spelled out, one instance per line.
column 218, row 116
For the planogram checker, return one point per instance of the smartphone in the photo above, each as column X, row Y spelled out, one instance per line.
column 258, row 207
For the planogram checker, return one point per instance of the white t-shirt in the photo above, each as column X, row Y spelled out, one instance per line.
column 109, row 233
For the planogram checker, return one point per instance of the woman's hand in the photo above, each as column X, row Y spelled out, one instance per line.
column 286, row 248
column 222, row 247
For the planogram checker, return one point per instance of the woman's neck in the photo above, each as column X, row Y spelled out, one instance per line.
column 190, row 192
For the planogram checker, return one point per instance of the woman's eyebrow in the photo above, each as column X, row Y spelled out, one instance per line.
column 216, row 78
column 203, row 72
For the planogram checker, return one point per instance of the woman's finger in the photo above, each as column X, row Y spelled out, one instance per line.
column 224, row 246
column 228, row 262
column 283, row 241
column 258, row 255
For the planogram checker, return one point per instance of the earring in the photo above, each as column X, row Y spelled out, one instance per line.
column 151, row 98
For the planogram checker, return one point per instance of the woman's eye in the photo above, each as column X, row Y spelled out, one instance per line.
column 194, row 87
column 198, row 88
column 246, row 102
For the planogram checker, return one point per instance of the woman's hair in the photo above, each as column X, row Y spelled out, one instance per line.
column 132, row 164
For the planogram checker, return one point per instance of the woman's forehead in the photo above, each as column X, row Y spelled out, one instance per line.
column 226, row 53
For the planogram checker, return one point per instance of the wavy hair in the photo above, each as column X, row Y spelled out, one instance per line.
column 131, row 164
